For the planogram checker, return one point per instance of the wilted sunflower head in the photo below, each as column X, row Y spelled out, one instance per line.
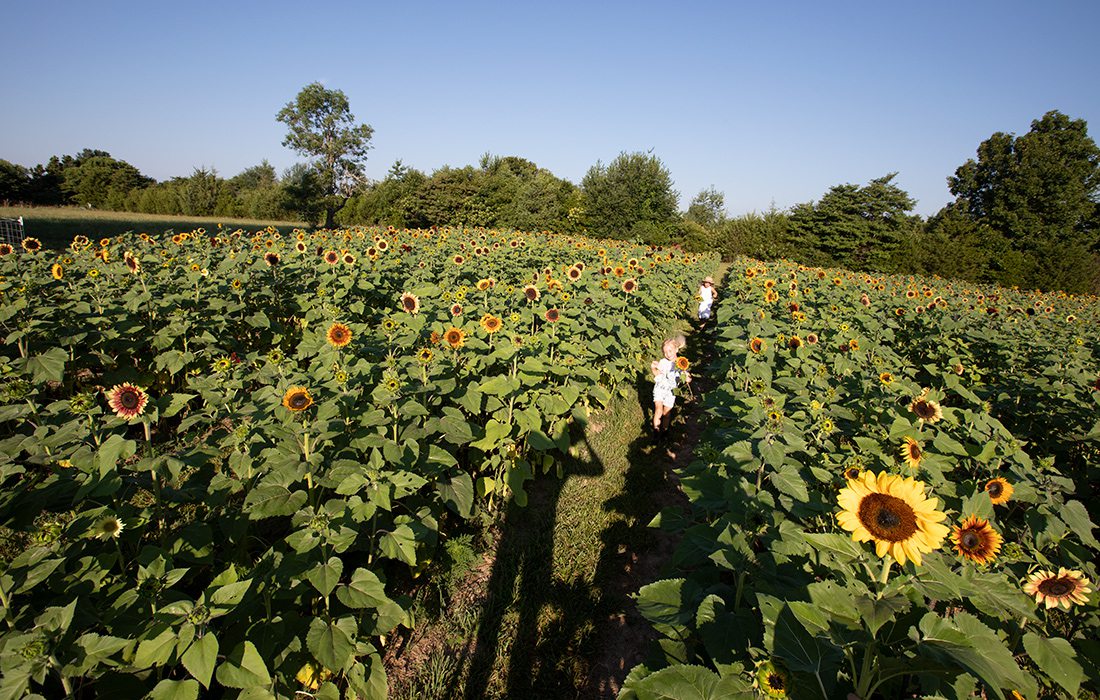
column 976, row 540
column 894, row 513
column 297, row 398
column 338, row 335
column 999, row 490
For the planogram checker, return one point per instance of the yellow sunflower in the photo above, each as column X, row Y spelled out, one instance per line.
column 297, row 398
column 757, row 345
column 926, row 409
column 339, row 335
column 1064, row 589
column 455, row 337
column 771, row 679
column 894, row 513
column 912, row 453
column 976, row 540
column 490, row 323
column 999, row 490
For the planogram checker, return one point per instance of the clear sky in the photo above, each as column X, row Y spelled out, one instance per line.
column 769, row 102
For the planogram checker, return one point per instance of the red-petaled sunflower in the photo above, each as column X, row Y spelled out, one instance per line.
column 926, row 409
column 630, row 285
column 999, row 490
column 490, row 323
column 894, row 513
column 455, row 337
column 1066, row 588
column 434, row 337
column 456, row 309
column 912, row 453
column 339, row 335
column 6, row 249
column 552, row 315
column 297, row 398
column 757, row 345
column 332, row 257
column 410, row 303
column 976, row 540
column 127, row 401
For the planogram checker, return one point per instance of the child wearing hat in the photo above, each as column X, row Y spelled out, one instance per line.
column 706, row 296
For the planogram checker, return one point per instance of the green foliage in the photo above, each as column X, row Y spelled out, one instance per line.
column 630, row 199
column 15, row 182
column 102, row 181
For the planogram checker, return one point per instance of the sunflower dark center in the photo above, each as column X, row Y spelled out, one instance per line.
column 970, row 539
column 129, row 399
column 299, row 400
column 914, row 451
column 1057, row 587
column 995, row 489
column 924, row 409
column 887, row 517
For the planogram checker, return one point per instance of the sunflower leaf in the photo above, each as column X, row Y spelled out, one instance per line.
column 1057, row 659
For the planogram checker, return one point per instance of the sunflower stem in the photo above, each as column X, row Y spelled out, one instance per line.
column 885, row 575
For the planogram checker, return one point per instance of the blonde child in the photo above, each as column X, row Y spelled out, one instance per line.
column 706, row 296
column 665, row 377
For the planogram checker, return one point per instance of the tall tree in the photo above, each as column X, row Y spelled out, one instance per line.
column 322, row 126
column 708, row 208
column 101, row 181
column 1040, row 191
column 630, row 198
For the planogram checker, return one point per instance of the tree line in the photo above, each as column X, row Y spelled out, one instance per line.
column 1025, row 212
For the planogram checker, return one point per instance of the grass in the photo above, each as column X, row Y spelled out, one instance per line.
column 57, row 226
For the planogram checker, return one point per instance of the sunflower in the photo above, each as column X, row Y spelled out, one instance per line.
column 927, row 410
column 127, row 401
column 912, row 453
column 886, row 378
column 851, row 473
column 425, row 356
column 483, row 285
column 434, row 337
column 771, row 679
column 455, row 337
column 630, row 285
column 757, row 345
column 389, row 325
column 297, row 398
column 531, row 292
column 271, row 258
column 999, row 490
column 490, row 323
column 410, row 303
column 235, row 284
column 5, row 249
column 31, row 244
column 682, row 364
column 976, row 540
column 57, row 271
column 456, row 309
column 1065, row 588
column 552, row 315
column 339, row 335
column 108, row 527
column 811, row 338
column 458, row 260
column 132, row 262
column 894, row 513
column 794, row 342
column 332, row 257
column 574, row 273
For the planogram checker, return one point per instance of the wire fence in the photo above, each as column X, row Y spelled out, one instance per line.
column 11, row 231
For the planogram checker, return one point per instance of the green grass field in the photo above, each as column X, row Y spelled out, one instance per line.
column 56, row 226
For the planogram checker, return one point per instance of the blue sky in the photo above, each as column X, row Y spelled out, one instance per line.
column 770, row 103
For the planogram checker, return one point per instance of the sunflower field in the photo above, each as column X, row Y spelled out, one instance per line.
column 227, row 457
column 894, row 496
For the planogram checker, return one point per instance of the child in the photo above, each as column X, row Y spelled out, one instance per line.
column 706, row 294
column 665, row 377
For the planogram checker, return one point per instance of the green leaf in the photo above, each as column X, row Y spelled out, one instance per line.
column 332, row 643
column 243, row 668
column 456, row 429
column 1074, row 515
column 966, row 642
column 1056, row 658
column 495, row 432
column 399, row 544
column 175, row 690
column 669, row 605
column 173, row 404
column 155, row 651
column 365, row 590
column 111, row 451
column 201, row 657
column 683, row 682
column 457, row 492
column 324, row 577
column 49, row 366
column 841, row 547
column 230, row 594
column 786, row 637
column 271, row 500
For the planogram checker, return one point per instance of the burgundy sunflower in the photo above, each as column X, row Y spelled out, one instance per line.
column 552, row 315
column 127, row 401
column 332, row 257
column 6, row 249
column 456, row 309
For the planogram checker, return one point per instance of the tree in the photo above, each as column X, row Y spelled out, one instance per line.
column 15, row 182
column 630, row 198
column 303, row 192
column 858, row 227
column 1040, row 191
column 322, row 126
column 708, row 208
column 101, row 181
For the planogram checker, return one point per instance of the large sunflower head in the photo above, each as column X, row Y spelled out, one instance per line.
column 1064, row 589
column 771, row 679
column 552, row 315
column 912, row 453
column 410, row 303
column 999, row 490
column 894, row 513
column 490, row 323
column 976, row 540
column 31, row 244
column 297, row 398
column 682, row 363
column 339, row 335
column 127, row 401
column 531, row 292
column 455, row 337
